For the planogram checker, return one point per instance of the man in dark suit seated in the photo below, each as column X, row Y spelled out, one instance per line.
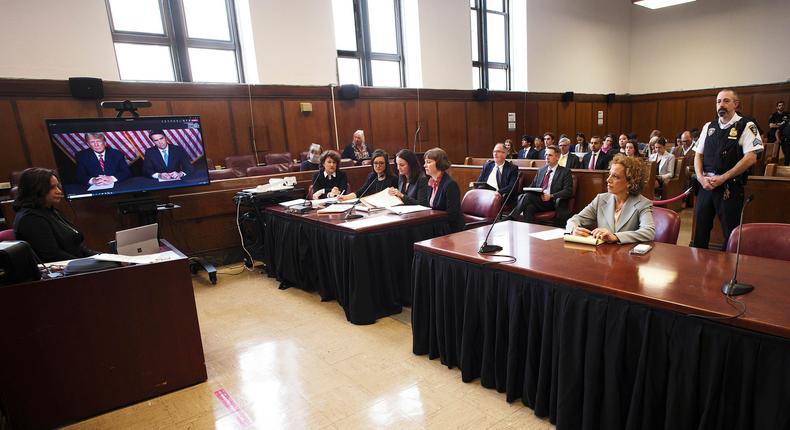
column 595, row 159
column 500, row 174
column 568, row 159
column 538, row 150
column 526, row 145
column 99, row 164
column 556, row 182
column 164, row 161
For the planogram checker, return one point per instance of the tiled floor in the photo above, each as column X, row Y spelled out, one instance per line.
column 283, row 359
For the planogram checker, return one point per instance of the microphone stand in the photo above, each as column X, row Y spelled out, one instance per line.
column 351, row 214
column 485, row 248
column 733, row 287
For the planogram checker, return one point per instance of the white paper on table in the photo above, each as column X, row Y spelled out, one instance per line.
column 407, row 209
column 555, row 233
column 336, row 208
column 138, row 259
column 325, row 201
column 101, row 187
column 290, row 203
column 533, row 189
column 168, row 179
column 382, row 199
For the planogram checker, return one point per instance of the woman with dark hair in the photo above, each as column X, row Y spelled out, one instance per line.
column 37, row 221
column 329, row 179
column 412, row 182
column 378, row 180
column 623, row 214
column 445, row 194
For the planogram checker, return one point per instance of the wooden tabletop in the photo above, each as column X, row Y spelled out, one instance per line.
column 677, row 278
column 370, row 222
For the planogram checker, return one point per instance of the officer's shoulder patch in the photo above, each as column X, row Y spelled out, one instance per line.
column 753, row 129
column 711, row 130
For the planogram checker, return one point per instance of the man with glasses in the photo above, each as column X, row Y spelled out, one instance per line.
column 568, row 159
column 685, row 149
column 499, row 174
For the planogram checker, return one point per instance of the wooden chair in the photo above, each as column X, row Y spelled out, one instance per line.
column 769, row 240
column 774, row 169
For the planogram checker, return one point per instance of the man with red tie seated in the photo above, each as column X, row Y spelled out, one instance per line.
column 164, row 161
column 595, row 159
column 556, row 183
column 99, row 164
column 500, row 174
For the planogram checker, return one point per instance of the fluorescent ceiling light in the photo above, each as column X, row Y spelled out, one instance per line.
column 658, row 4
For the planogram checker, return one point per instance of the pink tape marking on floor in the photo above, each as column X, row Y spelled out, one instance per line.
column 227, row 400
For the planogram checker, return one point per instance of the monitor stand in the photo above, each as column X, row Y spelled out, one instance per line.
column 147, row 211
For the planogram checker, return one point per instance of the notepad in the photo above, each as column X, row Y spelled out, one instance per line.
column 586, row 240
column 407, row 209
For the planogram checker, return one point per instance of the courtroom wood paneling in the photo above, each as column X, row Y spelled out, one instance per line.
column 15, row 156
column 480, row 135
column 499, row 122
column 612, row 118
column 352, row 115
column 671, row 118
column 547, row 117
column 700, row 110
column 301, row 129
column 603, row 128
column 452, row 129
column 266, row 125
column 566, row 120
column 644, row 117
column 424, row 114
column 625, row 117
column 531, row 125
column 217, row 122
column 388, row 120
column 33, row 113
column 583, row 121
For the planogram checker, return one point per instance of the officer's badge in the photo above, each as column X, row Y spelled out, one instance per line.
column 733, row 133
column 711, row 131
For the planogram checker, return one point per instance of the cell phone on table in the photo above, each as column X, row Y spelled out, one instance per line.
column 641, row 249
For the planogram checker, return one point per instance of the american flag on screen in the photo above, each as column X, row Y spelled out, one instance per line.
column 133, row 143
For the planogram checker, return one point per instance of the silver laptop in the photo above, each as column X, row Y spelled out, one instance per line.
column 138, row 241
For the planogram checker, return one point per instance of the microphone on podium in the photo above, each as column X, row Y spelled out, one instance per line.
column 733, row 287
column 485, row 248
column 351, row 214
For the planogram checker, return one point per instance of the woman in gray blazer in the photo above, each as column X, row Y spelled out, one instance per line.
column 621, row 215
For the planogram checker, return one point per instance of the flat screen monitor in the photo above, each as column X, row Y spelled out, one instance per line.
column 107, row 156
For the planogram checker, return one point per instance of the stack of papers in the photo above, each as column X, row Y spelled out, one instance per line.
column 336, row 208
column 138, row 259
column 407, row 209
column 382, row 199
column 290, row 203
column 554, row 233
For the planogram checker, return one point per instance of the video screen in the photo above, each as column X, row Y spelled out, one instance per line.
column 107, row 156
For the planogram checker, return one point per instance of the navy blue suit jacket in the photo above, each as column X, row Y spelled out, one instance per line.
column 448, row 199
column 523, row 152
column 507, row 180
column 88, row 165
column 418, row 192
column 601, row 163
column 177, row 161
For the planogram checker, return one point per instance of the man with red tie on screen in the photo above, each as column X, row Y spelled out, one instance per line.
column 164, row 161
column 99, row 164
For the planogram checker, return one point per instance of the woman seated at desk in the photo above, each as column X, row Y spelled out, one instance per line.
column 412, row 182
column 622, row 215
column 378, row 180
column 38, row 223
column 445, row 194
column 329, row 181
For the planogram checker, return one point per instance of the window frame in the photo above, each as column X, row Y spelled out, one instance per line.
column 363, row 54
column 482, row 62
column 176, row 38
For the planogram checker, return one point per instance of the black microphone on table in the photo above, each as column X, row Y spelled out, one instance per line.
column 350, row 214
column 733, row 287
column 485, row 248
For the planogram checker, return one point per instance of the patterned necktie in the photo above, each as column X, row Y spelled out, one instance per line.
column 101, row 162
column 546, row 180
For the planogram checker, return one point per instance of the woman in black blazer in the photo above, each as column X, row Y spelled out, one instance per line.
column 445, row 194
column 38, row 223
column 329, row 181
column 412, row 182
column 380, row 179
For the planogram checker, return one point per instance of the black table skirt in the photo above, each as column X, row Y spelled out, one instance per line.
column 590, row 361
column 367, row 273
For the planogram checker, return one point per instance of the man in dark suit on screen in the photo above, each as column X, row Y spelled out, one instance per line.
column 164, row 161
column 556, row 183
column 99, row 164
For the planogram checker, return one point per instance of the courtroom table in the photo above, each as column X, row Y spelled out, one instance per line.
column 364, row 264
column 81, row 345
column 599, row 338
